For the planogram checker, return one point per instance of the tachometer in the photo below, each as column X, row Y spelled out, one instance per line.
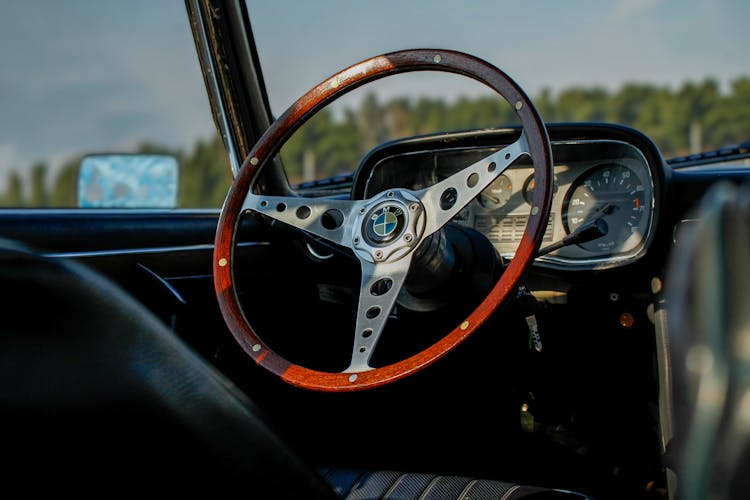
column 616, row 193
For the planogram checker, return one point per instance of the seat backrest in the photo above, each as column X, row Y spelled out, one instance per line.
column 95, row 390
column 708, row 305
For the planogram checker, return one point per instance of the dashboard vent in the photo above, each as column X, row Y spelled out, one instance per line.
column 508, row 228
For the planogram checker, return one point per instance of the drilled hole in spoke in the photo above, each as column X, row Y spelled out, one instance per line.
column 332, row 219
column 507, row 156
column 281, row 207
column 381, row 287
column 303, row 212
column 367, row 333
column 373, row 312
column 491, row 167
column 362, row 349
column 448, row 198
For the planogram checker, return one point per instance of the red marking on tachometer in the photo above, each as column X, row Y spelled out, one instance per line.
column 637, row 203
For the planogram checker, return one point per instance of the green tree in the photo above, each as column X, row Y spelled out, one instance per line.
column 627, row 104
column 39, row 193
column 582, row 105
column 205, row 175
column 693, row 102
column 429, row 115
column 728, row 122
column 397, row 114
column 656, row 119
column 65, row 189
column 545, row 104
column 332, row 147
column 480, row 112
column 14, row 195
column 370, row 122
column 697, row 113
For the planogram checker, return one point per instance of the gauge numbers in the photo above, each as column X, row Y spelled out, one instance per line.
column 616, row 193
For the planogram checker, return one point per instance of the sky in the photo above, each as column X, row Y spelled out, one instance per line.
column 540, row 43
column 103, row 75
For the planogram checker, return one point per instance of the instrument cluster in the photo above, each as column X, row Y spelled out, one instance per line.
column 593, row 179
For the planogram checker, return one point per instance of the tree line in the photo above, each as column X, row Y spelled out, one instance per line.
column 695, row 116
column 204, row 178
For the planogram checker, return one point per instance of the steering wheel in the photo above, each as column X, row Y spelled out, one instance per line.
column 383, row 231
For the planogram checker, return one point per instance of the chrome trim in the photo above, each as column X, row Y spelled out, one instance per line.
column 316, row 254
column 679, row 225
column 666, row 390
column 154, row 250
column 164, row 283
column 609, row 261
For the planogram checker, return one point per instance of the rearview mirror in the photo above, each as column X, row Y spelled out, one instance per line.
column 127, row 181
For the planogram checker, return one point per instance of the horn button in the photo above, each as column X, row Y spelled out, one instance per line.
column 385, row 223
column 391, row 228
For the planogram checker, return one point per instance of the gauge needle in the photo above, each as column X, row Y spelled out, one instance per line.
column 606, row 209
column 493, row 199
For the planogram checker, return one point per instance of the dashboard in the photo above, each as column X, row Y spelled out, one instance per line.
column 604, row 179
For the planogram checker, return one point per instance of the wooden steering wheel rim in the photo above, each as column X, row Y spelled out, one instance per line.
column 268, row 145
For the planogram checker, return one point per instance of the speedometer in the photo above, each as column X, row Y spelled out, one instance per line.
column 613, row 192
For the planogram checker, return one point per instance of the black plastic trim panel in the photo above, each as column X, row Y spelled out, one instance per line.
column 75, row 230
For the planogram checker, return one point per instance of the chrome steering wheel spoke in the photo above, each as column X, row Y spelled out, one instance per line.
column 382, row 232
column 380, row 285
column 445, row 199
column 332, row 220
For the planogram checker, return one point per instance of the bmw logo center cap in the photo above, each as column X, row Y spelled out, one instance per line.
column 385, row 223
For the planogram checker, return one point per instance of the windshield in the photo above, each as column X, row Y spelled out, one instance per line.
column 675, row 69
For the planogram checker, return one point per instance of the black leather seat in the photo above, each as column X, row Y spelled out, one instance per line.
column 708, row 300
column 95, row 390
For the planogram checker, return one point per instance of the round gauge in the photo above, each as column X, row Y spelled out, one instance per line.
column 616, row 193
column 528, row 188
column 496, row 194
